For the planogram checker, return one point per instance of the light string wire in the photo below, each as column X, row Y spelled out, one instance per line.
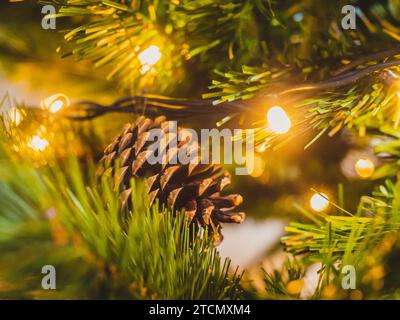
column 185, row 108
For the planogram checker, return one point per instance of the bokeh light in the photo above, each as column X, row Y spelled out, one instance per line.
column 55, row 103
column 149, row 57
column 319, row 202
column 38, row 144
column 278, row 121
column 364, row 168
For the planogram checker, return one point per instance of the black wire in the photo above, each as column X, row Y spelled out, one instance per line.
column 181, row 108
column 153, row 106
column 362, row 60
column 342, row 80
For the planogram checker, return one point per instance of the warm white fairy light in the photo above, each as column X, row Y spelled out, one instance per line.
column 364, row 167
column 278, row 121
column 149, row 57
column 55, row 103
column 319, row 202
column 38, row 144
column 56, row 106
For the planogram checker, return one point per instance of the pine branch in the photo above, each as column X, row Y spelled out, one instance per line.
column 82, row 229
column 366, row 240
column 285, row 283
column 361, row 97
column 230, row 29
column 388, row 150
column 115, row 34
column 339, row 233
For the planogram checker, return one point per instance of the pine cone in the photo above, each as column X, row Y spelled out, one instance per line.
column 193, row 187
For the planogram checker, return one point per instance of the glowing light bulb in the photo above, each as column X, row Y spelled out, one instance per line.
column 364, row 168
column 38, row 144
column 319, row 202
column 149, row 57
column 55, row 102
column 278, row 120
column 56, row 106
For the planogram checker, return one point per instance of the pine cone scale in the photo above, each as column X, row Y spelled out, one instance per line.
column 194, row 187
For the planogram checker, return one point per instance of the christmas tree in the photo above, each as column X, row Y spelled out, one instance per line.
column 108, row 190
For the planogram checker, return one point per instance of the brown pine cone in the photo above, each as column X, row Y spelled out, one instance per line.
column 193, row 187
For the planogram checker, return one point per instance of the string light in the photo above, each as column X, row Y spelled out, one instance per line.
column 55, row 103
column 38, row 144
column 364, row 167
column 278, row 120
column 56, row 106
column 319, row 202
column 149, row 57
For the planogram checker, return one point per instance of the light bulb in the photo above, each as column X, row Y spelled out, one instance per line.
column 278, row 120
column 149, row 57
column 38, row 144
column 364, row 168
column 56, row 106
column 319, row 202
column 55, row 102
